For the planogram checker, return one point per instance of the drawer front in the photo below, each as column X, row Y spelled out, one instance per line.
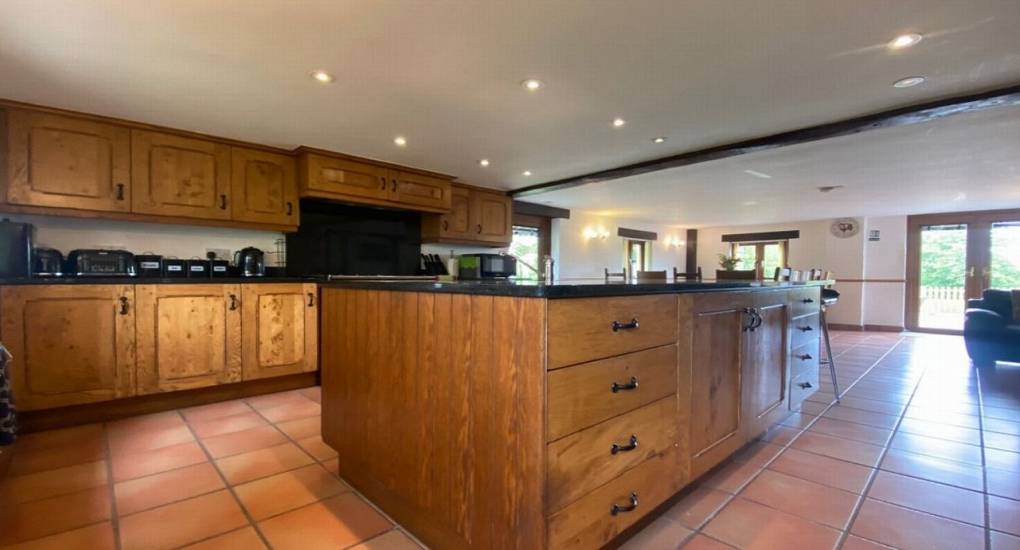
column 804, row 330
column 802, row 387
column 584, row 329
column 805, row 300
column 587, row 459
column 805, row 358
column 589, row 522
column 582, row 395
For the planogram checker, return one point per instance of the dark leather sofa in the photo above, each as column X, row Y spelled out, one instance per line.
column 990, row 331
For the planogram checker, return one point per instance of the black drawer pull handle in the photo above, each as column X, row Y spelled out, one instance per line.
column 632, row 385
column 394, row 185
column 290, row 208
column 616, row 508
column 446, row 225
column 233, row 302
column 808, row 300
column 120, row 191
column 123, row 305
column 382, row 183
column 618, row 326
column 311, row 299
column 616, row 448
column 805, row 357
column 805, row 328
column 805, row 385
column 223, row 202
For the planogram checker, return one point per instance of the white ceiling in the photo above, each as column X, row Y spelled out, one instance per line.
column 446, row 73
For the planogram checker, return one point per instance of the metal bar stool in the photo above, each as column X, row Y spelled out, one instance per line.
column 829, row 299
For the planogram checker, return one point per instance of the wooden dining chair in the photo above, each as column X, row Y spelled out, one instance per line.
column 651, row 276
column 622, row 274
column 782, row 274
column 736, row 274
column 677, row 275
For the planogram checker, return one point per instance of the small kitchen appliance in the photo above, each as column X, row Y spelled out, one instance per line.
column 15, row 249
column 250, row 262
column 101, row 263
column 487, row 266
column 47, row 262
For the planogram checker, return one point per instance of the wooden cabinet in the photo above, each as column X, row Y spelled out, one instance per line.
column 279, row 327
column 476, row 216
column 189, row 336
column 64, row 162
column 179, row 176
column 263, row 187
column 417, row 190
column 765, row 379
column 71, row 344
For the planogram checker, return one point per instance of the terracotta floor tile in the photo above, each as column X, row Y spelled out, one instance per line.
column 857, row 543
column 758, row 453
column 38, row 460
column 822, row 469
column 263, row 462
column 798, row 420
column 181, row 523
column 283, row 492
column 883, row 407
column 1002, row 460
column 1003, row 442
column 959, row 434
column 1013, row 415
column 40, row 518
column 98, row 536
column 87, row 435
column 752, row 526
column 332, row 466
column 850, row 430
column 242, row 539
column 317, row 448
column 926, row 496
column 292, row 411
column 662, row 533
column 842, row 449
column 269, row 401
column 314, row 393
column 812, row 408
column 697, row 506
column 1003, row 483
column 701, row 542
column 144, row 423
column 163, row 488
column 212, row 427
column 215, row 410
column 301, row 428
column 1001, row 426
column 138, row 440
column 909, row 529
column 333, row 523
column 731, row 477
column 243, row 441
column 51, row 483
column 806, row 499
column 933, row 469
column 938, row 448
column 130, row 466
column 859, row 416
column 391, row 540
column 780, row 435
column 1004, row 514
column 929, row 414
column 1002, row 541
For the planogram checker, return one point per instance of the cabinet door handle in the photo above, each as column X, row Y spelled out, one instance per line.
column 290, row 208
column 382, row 183
column 631, row 385
column 479, row 229
column 805, row 328
column 446, row 225
column 618, row 326
column 617, row 508
column 123, row 305
column 804, row 357
column 223, row 202
column 805, row 385
column 233, row 302
column 311, row 299
column 808, row 300
column 120, row 191
column 755, row 321
column 394, row 188
column 630, row 446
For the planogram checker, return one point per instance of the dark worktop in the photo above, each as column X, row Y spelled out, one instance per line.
column 568, row 288
column 154, row 280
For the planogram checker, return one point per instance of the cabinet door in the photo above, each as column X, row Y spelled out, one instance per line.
column 420, row 191
column 189, row 336
column 491, row 217
column 264, row 187
column 71, row 344
column 67, row 162
column 325, row 176
column 279, row 327
column 715, row 393
column 764, row 365
column 179, row 176
column 455, row 225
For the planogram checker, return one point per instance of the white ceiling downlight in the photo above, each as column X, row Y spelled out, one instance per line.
column 618, row 122
column 484, row 162
column 532, row 84
column 909, row 82
column 322, row 77
column 659, row 140
column 904, row 41
column 400, row 141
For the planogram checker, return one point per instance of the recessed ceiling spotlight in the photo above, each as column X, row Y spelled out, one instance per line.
column 526, row 173
column 400, row 141
column 904, row 41
column 659, row 140
column 532, row 84
column 829, row 188
column 322, row 76
column 484, row 162
column 617, row 122
column 749, row 203
column 908, row 82
column 758, row 174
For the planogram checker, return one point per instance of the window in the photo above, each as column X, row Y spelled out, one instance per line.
column 637, row 256
column 763, row 257
column 525, row 245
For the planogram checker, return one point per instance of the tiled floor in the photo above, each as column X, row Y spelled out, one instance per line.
column 243, row 474
column 923, row 452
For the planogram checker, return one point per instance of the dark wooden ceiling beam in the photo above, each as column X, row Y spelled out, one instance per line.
column 903, row 116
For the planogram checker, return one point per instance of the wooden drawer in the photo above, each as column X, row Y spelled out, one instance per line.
column 587, row 459
column 584, row 329
column 804, row 330
column 803, row 387
column 805, row 300
column 805, row 358
column 582, row 395
column 589, row 522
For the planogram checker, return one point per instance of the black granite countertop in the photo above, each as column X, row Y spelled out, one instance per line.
column 154, row 280
column 568, row 288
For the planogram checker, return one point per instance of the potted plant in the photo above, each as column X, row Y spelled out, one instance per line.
column 728, row 263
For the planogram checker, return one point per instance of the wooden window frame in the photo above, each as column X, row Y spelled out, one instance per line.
column 544, row 227
column 759, row 254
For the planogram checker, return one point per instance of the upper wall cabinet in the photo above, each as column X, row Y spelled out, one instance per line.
column 179, row 176
column 424, row 192
column 56, row 161
column 476, row 216
column 264, row 187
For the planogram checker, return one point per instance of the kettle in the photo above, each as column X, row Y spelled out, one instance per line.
column 250, row 262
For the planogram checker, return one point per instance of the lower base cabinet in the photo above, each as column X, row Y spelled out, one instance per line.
column 279, row 325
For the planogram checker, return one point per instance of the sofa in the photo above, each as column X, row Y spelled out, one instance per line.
column 990, row 330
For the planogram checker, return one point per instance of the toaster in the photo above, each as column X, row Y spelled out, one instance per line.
column 101, row 263
column 47, row 262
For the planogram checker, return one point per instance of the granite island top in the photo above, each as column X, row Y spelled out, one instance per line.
column 567, row 288
column 100, row 280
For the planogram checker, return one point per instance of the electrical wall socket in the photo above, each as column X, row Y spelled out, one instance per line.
column 221, row 253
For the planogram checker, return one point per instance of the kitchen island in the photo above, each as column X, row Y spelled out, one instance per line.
column 503, row 415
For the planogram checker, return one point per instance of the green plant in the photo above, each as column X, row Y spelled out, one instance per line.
column 729, row 263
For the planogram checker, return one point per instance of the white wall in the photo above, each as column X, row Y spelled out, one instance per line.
column 580, row 257
column 181, row 241
column 885, row 261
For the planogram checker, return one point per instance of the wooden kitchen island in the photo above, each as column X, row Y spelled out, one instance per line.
column 501, row 415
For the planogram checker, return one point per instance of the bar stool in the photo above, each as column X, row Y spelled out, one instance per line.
column 829, row 298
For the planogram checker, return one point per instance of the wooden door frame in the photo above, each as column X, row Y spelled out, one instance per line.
column 544, row 227
column 759, row 253
column 977, row 255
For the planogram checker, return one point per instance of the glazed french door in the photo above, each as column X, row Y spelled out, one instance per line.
column 954, row 257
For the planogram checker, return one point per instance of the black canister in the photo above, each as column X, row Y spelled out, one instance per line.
column 149, row 265
column 197, row 269
column 174, row 268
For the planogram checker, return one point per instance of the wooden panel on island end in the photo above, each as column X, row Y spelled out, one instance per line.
column 435, row 404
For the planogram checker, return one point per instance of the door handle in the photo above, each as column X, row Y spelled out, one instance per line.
column 631, row 325
column 805, row 385
column 808, row 300
column 123, row 305
column 755, row 321
column 290, row 208
column 805, row 328
column 617, row 508
column 631, row 385
column 446, row 225
column 233, row 302
column 394, row 188
column 223, row 202
column 311, row 299
column 479, row 230
column 804, row 357
column 382, row 183
column 120, row 191
column 629, row 446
